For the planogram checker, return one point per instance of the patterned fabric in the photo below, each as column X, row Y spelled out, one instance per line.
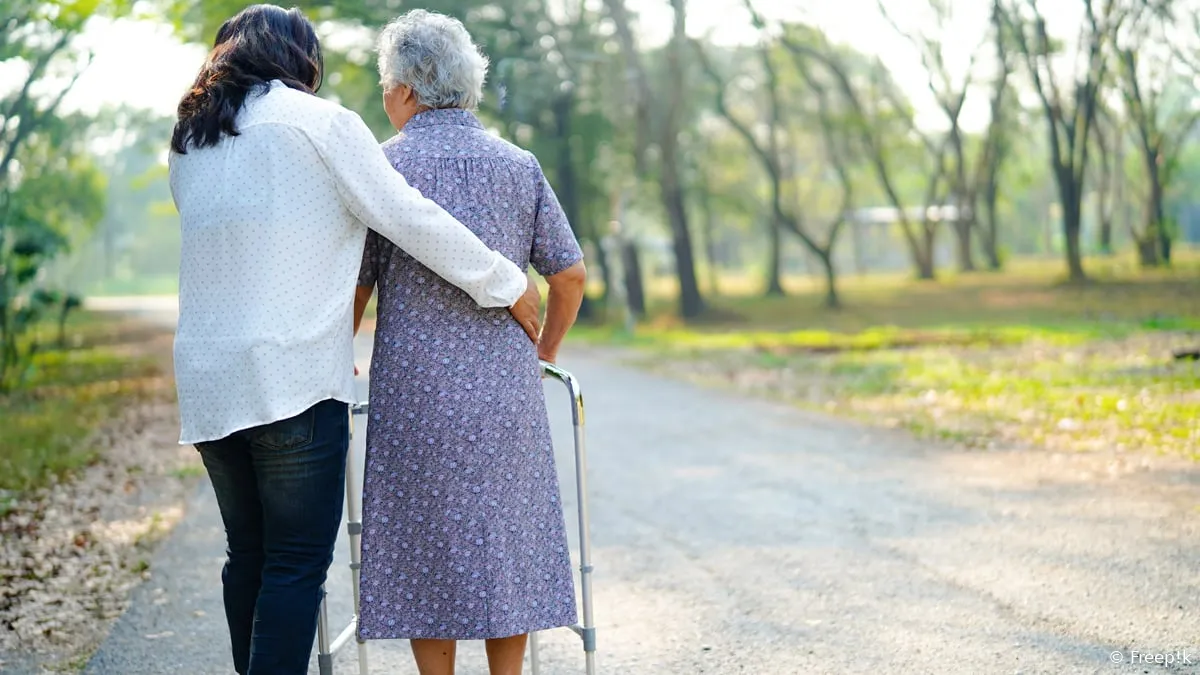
column 273, row 224
column 463, row 535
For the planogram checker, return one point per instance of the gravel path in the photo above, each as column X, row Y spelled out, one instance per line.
column 735, row 536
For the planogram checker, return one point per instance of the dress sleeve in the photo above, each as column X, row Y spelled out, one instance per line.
column 383, row 201
column 554, row 245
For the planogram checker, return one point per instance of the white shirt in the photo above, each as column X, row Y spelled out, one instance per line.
column 274, row 222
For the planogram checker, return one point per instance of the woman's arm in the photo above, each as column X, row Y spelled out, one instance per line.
column 562, row 308
column 382, row 200
column 362, row 296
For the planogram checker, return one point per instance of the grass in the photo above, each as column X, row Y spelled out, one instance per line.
column 70, row 392
column 980, row 360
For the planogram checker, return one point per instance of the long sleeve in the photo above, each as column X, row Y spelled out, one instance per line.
column 384, row 201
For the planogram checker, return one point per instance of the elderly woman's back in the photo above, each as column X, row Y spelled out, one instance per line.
column 464, row 535
column 493, row 187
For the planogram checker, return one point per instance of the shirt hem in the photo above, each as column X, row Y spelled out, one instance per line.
column 204, row 438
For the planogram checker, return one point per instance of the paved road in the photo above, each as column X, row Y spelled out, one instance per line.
column 735, row 536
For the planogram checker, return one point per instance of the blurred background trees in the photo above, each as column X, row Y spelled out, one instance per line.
column 767, row 163
column 51, row 188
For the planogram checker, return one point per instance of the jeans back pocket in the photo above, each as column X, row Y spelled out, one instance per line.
column 289, row 434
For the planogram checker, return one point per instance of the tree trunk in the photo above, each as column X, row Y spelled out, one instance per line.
column 1147, row 248
column 1104, row 212
column 832, row 301
column 1074, row 251
column 1149, row 243
column 990, row 240
column 1104, row 190
column 774, row 258
column 966, row 259
column 710, row 241
column 1104, row 199
column 605, row 272
column 1106, row 233
column 1156, row 212
column 965, row 217
column 634, row 288
column 691, row 302
column 1072, row 225
column 923, row 255
column 568, row 183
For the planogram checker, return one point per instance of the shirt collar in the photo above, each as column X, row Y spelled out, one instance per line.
column 444, row 116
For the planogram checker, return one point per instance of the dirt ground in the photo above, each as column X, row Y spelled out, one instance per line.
column 71, row 553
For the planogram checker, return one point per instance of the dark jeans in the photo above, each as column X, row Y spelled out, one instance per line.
column 280, row 488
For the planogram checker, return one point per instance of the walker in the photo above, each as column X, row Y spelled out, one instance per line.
column 586, row 630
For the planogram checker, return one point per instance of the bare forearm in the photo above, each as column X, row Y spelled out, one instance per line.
column 562, row 308
column 362, row 296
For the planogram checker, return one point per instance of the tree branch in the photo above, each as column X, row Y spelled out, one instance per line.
column 28, row 117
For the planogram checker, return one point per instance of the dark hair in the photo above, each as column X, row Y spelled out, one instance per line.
column 261, row 43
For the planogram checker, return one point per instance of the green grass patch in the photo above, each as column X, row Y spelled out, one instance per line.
column 1112, row 394
column 981, row 359
column 46, row 423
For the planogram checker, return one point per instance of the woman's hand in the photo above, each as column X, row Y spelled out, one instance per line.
column 528, row 310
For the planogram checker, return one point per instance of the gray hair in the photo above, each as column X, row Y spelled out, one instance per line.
column 433, row 54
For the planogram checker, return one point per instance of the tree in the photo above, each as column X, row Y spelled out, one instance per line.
column 550, row 86
column 1070, row 115
column 1108, row 175
column 773, row 151
column 657, row 120
column 1157, row 103
column 996, row 143
column 880, row 121
column 49, row 190
column 727, row 188
column 950, row 93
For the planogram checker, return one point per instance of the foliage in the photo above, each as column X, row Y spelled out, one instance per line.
column 135, row 247
column 50, row 191
column 68, row 393
column 982, row 361
column 577, row 83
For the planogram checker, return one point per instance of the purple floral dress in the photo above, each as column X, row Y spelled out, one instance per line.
column 463, row 536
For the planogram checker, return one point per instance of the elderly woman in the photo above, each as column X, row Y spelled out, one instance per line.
column 463, row 530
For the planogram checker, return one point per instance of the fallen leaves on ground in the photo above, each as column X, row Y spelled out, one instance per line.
column 70, row 553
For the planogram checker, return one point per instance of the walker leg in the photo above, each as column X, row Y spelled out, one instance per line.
column 588, row 632
column 587, row 629
column 535, row 666
column 354, row 529
column 324, row 657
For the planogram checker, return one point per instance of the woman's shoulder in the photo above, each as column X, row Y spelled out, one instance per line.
column 454, row 143
column 511, row 151
column 282, row 105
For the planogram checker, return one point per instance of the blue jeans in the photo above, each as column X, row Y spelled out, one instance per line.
column 280, row 488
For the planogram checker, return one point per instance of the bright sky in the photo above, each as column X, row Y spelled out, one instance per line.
column 140, row 63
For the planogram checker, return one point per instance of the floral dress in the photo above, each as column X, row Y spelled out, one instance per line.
column 464, row 536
